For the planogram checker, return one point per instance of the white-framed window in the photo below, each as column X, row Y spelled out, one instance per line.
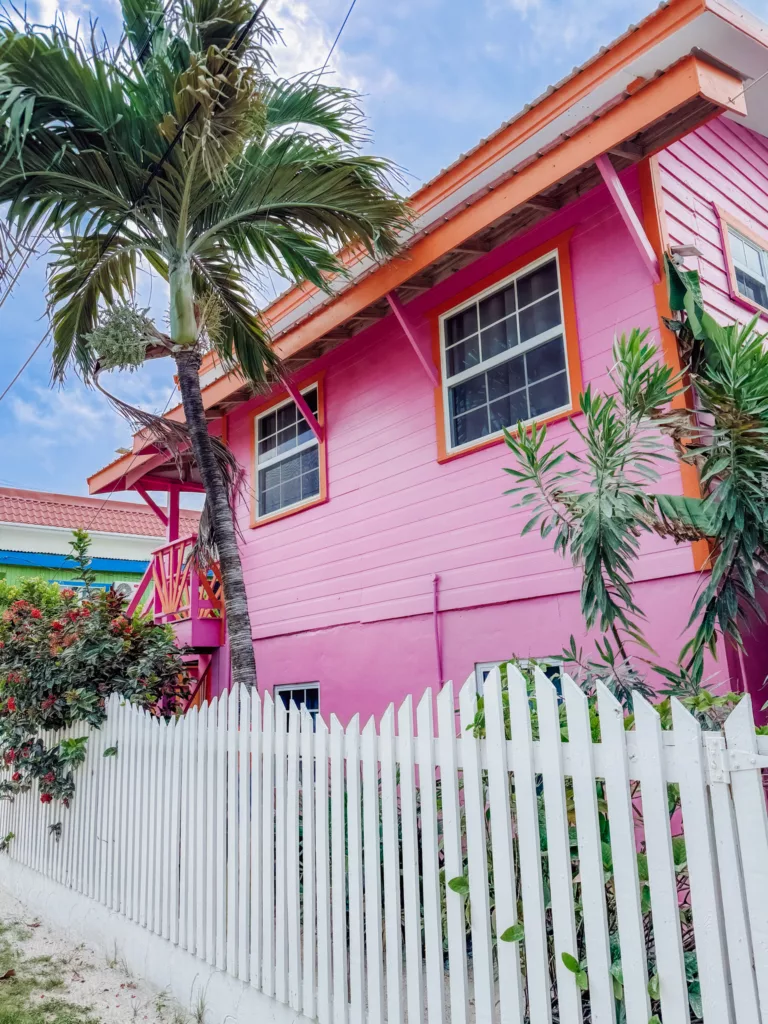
column 551, row 667
column 303, row 695
column 504, row 355
column 750, row 265
column 287, row 457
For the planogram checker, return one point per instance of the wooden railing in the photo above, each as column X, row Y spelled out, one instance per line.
column 181, row 592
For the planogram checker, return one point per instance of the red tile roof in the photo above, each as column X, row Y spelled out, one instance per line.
column 98, row 515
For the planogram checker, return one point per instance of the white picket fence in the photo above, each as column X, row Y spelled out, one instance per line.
column 312, row 863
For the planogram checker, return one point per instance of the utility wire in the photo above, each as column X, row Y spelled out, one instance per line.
column 26, row 363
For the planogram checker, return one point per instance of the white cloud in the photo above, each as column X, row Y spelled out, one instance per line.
column 307, row 41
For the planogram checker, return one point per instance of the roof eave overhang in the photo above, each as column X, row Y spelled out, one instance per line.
column 693, row 85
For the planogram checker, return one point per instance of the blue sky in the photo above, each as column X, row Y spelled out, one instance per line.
column 438, row 75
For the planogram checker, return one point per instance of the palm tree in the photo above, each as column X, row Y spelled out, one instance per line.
column 180, row 149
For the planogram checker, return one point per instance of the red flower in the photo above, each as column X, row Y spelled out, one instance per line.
column 85, row 613
column 16, row 777
column 50, row 777
column 57, row 625
column 45, row 798
column 65, row 801
column 11, row 705
column 2, row 645
column 10, row 756
column 20, row 605
column 36, row 613
column 48, row 703
column 73, row 615
column 67, row 593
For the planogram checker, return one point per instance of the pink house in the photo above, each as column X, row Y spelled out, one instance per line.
column 381, row 552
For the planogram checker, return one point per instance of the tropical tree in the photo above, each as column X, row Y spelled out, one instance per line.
column 598, row 501
column 180, row 149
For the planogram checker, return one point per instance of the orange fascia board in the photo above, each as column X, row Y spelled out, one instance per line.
column 690, row 78
column 657, row 27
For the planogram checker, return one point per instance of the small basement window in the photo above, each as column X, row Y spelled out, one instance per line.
column 750, row 267
column 551, row 667
column 303, row 695
column 287, row 457
column 504, row 355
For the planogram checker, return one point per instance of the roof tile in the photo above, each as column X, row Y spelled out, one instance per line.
column 98, row 515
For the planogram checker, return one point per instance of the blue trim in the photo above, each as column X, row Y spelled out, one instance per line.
column 32, row 558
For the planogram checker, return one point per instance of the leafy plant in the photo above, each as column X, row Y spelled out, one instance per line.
column 598, row 502
column 58, row 666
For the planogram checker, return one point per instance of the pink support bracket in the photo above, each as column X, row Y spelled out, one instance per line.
column 628, row 215
column 161, row 515
column 402, row 318
column 306, row 412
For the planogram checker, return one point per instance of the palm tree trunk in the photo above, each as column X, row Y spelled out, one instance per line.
column 236, row 602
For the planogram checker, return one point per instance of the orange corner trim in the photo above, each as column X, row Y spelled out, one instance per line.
column 654, row 221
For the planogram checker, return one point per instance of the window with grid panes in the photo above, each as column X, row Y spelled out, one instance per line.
column 287, row 457
column 504, row 355
column 750, row 264
column 303, row 695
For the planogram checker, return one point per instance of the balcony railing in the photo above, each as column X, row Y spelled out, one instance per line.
column 182, row 596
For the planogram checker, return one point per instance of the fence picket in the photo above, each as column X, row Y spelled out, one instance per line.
column 452, row 852
column 171, row 883
column 702, row 865
column 511, row 991
column 739, row 940
column 281, row 923
column 308, row 998
column 292, row 860
column 372, row 861
column 531, row 884
column 243, row 774
column 752, row 820
column 323, row 876
column 590, row 854
column 661, row 867
column 255, row 840
column 209, row 782
column 199, row 854
column 391, row 850
column 355, row 873
column 477, row 857
column 220, row 801
column 268, row 849
column 430, row 867
column 624, row 855
column 414, row 981
column 338, row 874
column 232, row 818
column 188, row 834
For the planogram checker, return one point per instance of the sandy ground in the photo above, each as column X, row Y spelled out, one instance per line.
column 113, row 995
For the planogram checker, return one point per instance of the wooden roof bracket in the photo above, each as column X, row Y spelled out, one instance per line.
column 304, row 409
column 402, row 318
column 628, row 215
column 161, row 515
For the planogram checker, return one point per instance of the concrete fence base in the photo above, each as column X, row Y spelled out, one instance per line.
column 190, row 981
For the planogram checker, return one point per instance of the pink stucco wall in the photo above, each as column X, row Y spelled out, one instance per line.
column 342, row 593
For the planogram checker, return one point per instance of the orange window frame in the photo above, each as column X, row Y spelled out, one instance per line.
column 559, row 246
column 282, row 398
column 727, row 220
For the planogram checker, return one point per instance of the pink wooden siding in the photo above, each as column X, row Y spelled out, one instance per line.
column 722, row 164
column 365, row 560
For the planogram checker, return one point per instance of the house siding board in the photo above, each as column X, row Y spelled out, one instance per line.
column 722, row 164
column 362, row 564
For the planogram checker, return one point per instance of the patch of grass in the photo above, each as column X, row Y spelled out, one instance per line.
column 25, row 997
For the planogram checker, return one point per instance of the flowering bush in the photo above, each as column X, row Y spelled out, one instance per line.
column 58, row 666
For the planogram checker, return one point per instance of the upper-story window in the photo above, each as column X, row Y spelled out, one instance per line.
column 750, row 267
column 287, row 458
column 504, row 357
